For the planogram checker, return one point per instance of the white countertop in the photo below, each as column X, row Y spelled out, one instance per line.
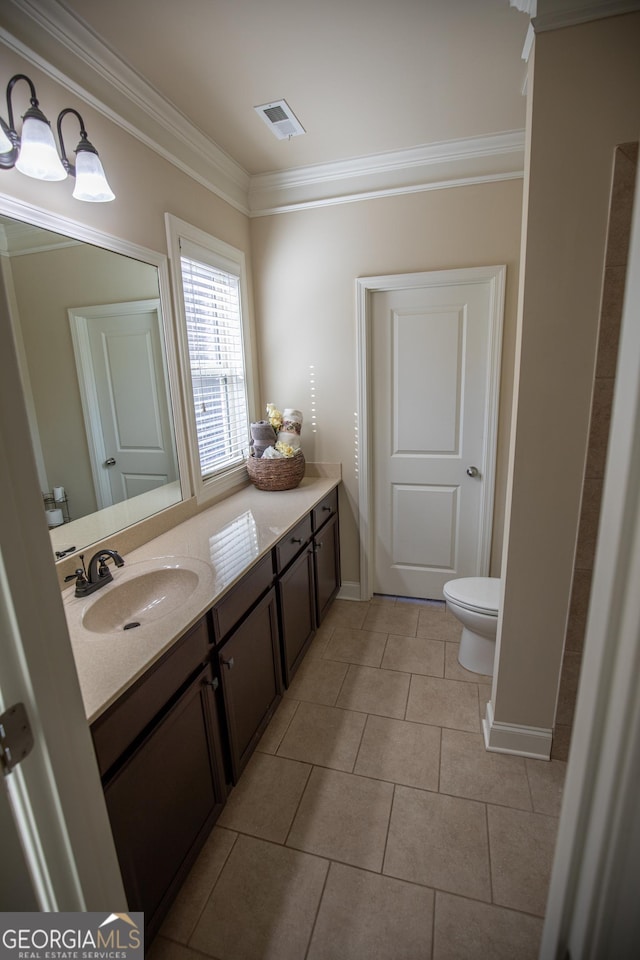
column 224, row 541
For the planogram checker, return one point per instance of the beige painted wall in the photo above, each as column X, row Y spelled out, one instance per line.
column 585, row 85
column 305, row 265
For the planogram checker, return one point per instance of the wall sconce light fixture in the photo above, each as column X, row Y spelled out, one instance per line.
column 35, row 153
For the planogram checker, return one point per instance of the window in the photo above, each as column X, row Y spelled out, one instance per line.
column 209, row 278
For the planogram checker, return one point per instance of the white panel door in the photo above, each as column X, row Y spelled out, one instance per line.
column 431, row 360
column 125, row 398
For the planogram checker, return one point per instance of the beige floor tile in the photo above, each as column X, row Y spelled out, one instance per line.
column 468, row 930
column 356, row 646
column 439, row 841
column 522, row 846
column 271, row 738
column 414, row 655
column 346, row 613
column 436, row 623
column 318, row 681
column 402, row 752
column 546, row 780
column 343, row 817
column 163, row 949
column 319, row 643
column 364, row 916
column 453, row 670
column 392, row 618
column 327, row 736
column 443, row 703
column 194, row 893
column 265, row 799
column 467, row 769
column 383, row 692
column 263, row 906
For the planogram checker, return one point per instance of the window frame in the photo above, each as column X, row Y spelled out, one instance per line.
column 222, row 256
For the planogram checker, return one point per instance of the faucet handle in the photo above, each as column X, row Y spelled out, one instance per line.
column 78, row 576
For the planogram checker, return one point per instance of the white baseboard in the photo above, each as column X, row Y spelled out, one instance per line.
column 521, row 741
column 350, row 590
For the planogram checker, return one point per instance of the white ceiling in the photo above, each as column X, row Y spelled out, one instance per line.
column 364, row 77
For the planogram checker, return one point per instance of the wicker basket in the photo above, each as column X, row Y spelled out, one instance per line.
column 283, row 473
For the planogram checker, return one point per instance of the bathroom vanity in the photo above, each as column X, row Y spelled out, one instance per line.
column 178, row 704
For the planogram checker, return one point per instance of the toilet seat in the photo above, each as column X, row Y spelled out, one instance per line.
column 477, row 594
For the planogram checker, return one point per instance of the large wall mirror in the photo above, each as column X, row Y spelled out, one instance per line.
column 94, row 344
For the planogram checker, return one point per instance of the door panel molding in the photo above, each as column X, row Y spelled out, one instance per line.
column 495, row 277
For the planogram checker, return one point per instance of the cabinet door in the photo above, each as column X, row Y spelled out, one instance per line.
column 326, row 552
column 297, row 612
column 251, row 680
column 164, row 800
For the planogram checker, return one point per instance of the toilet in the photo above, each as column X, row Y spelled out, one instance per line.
column 474, row 601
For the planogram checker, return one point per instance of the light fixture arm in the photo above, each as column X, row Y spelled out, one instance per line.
column 84, row 143
column 8, row 160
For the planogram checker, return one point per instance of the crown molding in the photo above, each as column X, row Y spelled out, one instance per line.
column 46, row 33
column 555, row 14
column 433, row 166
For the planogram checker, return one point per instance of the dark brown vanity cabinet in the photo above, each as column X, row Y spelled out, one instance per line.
column 296, row 601
column 248, row 653
column 159, row 753
column 326, row 553
column 308, row 568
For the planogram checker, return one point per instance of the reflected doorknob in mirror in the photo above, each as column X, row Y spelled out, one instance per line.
column 473, row 472
column 111, row 462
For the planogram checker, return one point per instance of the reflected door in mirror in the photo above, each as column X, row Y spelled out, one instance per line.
column 123, row 381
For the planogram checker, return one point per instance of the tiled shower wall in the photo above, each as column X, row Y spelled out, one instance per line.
column 622, row 192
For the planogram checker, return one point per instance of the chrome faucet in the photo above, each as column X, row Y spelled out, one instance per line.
column 97, row 575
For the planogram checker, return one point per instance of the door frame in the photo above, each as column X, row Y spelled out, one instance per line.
column 495, row 276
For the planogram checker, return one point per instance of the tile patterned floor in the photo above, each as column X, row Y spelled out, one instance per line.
column 371, row 823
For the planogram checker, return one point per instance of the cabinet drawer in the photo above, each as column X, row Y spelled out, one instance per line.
column 325, row 509
column 118, row 726
column 242, row 597
column 292, row 543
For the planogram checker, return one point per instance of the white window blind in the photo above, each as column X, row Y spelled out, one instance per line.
column 216, row 356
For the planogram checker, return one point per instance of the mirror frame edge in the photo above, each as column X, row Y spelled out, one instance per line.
column 57, row 223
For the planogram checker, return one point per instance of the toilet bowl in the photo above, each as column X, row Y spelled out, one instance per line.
column 474, row 601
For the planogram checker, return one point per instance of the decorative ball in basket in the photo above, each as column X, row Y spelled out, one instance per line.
column 276, row 461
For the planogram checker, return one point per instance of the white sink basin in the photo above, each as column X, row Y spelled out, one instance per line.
column 144, row 593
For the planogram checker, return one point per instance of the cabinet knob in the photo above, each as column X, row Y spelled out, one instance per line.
column 215, row 683
column 317, row 546
column 328, row 509
column 228, row 663
column 296, row 539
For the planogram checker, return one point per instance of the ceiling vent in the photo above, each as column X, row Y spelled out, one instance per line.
column 280, row 119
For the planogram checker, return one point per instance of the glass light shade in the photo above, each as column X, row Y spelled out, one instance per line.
column 91, row 183
column 38, row 156
column 5, row 144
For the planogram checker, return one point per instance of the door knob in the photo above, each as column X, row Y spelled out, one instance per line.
column 111, row 462
column 473, row 472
